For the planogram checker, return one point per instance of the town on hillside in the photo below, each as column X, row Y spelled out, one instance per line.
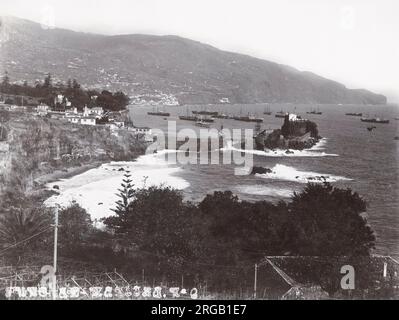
column 70, row 103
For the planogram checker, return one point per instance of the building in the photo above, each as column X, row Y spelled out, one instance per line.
column 42, row 109
column 318, row 277
column 90, row 121
column 96, row 112
column 73, row 119
column 140, row 130
column 295, row 126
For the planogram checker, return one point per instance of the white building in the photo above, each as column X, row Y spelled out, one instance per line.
column 42, row 109
column 73, row 119
column 141, row 130
column 59, row 99
column 96, row 112
column 90, row 121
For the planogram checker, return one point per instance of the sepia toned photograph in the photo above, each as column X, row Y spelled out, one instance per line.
column 178, row 151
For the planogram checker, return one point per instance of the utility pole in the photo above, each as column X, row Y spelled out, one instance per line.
column 55, row 254
column 256, row 279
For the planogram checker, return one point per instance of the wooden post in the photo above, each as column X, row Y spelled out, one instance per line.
column 55, row 254
column 255, row 280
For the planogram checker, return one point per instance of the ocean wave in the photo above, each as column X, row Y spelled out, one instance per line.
column 260, row 190
column 320, row 145
column 282, row 172
column 95, row 190
column 311, row 152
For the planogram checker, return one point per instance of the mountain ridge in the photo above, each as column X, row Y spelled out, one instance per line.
column 149, row 66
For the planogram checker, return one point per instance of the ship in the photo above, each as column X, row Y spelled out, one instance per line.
column 374, row 120
column 222, row 116
column 188, row 118
column 206, row 119
column 267, row 111
column 248, row 119
column 318, row 112
column 354, row 114
column 206, row 113
column 158, row 113
column 201, row 123
column 281, row 114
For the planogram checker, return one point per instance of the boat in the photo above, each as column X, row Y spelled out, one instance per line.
column 222, row 116
column 206, row 119
column 248, row 119
column 159, row 113
column 354, row 114
column 206, row 113
column 267, row 111
column 203, row 124
column 188, row 118
column 374, row 120
column 281, row 114
column 318, row 112
column 397, row 118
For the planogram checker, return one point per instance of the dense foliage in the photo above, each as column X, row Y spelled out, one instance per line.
column 216, row 241
column 72, row 91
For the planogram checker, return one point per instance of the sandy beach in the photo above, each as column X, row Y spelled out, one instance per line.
column 95, row 189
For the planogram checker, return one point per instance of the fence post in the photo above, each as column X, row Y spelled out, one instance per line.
column 255, row 279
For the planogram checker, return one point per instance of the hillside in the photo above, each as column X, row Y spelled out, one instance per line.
column 161, row 68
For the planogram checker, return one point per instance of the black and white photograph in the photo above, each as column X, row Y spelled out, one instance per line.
column 212, row 152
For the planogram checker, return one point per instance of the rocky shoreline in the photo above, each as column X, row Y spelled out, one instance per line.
column 296, row 133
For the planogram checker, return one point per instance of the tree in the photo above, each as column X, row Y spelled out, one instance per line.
column 126, row 193
column 328, row 221
column 5, row 84
column 22, row 227
column 75, row 84
column 75, row 227
column 47, row 81
column 160, row 225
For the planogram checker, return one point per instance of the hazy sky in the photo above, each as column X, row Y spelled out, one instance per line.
column 354, row 41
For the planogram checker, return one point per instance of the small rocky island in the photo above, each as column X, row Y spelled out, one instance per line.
column 296, row 133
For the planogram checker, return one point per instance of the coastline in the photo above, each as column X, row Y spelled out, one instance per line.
column 65, row 173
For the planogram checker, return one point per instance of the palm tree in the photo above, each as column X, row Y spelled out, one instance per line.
column 21, row 228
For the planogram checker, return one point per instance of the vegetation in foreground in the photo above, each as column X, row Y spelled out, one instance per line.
column 215, row 242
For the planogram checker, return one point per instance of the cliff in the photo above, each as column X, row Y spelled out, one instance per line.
column 35, row 147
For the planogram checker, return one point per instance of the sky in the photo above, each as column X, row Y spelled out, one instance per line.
column 354, row 42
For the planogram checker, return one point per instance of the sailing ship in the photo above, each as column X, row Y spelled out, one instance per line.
column 188, row 118
column 248, row 119
column 267, row 111
column 280, row 114
column 206, row 113
column 203, row 124
column 222, row 116
column 314, row 111
column 374, row 120
column 354, row 114
column 159, row 113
